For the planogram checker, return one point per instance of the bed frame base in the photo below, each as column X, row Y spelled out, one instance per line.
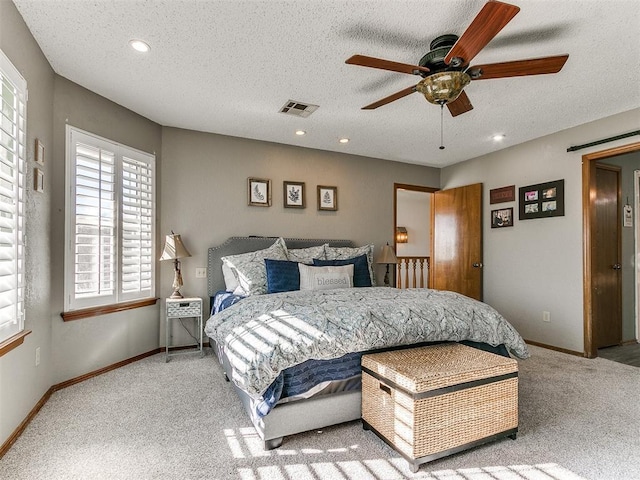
column 299, row 416
column 273, row 443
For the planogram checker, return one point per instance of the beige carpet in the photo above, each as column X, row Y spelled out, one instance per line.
column 579, row 419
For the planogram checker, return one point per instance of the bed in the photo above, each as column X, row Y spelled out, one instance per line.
column 293, row 356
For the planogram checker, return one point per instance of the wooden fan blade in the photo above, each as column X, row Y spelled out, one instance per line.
column 372, row 62
column 518, row 68
column 460, row 105
column 391, row 98
column 491, row 19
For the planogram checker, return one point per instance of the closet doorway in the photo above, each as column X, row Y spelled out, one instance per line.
column 628, row 263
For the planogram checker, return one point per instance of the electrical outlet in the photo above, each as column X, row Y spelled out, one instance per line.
column 546, row 317
column 37, row 356
column 201, row 272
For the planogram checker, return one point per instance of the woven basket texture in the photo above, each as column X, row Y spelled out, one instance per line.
column 423, row 427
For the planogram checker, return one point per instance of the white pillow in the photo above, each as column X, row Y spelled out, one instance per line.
column 249, row 269
column 230, row 280
column 306, row 255
column 342, row 253
column 325, row 278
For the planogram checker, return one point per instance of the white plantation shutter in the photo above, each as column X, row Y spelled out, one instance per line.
column 111, row 207
column 13, row 91
column 137, row 227
column 95, row 217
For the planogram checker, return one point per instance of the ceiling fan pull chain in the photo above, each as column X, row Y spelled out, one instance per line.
column 441, row 126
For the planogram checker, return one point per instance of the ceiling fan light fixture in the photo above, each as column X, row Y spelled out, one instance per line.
column 444, row 87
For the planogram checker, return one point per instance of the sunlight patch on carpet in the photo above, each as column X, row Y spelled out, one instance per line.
column 397, row 469
column 246, row 443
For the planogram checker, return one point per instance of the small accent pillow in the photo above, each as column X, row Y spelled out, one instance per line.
column 341, row 253
column 249, row 268
column 361, row 276
column 325, row 278
column 282, row 276
column 306, row 255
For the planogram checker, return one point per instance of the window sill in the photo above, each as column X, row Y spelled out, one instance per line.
column 105, row 309
column 13, row 342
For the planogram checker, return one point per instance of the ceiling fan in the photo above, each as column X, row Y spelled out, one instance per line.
column 445, row 68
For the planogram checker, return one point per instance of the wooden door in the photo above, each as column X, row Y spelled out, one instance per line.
column 606, row 269
column 456, row 255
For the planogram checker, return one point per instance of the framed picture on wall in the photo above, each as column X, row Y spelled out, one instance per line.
column 542, row 200
column 39, row 152
column 327, row 198
column 38, row 180
column 502, row 217
column 502, row 194
column 259, row 190
column 294, row 194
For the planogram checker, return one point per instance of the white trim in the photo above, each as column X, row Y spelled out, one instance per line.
column 73, row 136
column 13, row 74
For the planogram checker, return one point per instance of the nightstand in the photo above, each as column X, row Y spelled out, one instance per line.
column 179, row 308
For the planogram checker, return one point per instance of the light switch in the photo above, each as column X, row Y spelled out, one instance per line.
column 201, row 272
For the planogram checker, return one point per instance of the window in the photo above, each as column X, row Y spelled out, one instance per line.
column 110, row 222
column 13, row 99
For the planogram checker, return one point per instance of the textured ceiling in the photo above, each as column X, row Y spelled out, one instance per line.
column 229, row 66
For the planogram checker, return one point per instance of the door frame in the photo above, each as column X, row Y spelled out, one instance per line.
column 588, row 219
column 414, row 188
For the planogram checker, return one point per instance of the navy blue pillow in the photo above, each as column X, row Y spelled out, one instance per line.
column 282, row 276
column 361, row 277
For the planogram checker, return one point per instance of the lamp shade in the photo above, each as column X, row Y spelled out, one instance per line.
column 387, row 256
column 174, row 248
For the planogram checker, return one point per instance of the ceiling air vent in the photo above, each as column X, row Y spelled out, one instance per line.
column 298, row 109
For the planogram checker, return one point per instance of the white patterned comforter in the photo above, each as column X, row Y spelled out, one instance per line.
column 264, row 334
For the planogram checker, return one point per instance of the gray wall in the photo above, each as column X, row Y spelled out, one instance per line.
column 22, row 384
column 536, row 265
column 88, row 344
column 204, row 196
column 628, row 163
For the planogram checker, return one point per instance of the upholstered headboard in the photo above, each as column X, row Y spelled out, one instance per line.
column 235, row 245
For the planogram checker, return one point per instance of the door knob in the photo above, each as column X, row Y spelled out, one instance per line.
column 477, row 265
column 617, row 266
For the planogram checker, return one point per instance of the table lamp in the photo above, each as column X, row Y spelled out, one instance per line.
column 387, row 257
column 174, row 249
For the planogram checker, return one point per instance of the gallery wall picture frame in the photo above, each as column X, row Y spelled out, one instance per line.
column 259, row 192
column 502, row 194
column 38, row 180
column 327, row 198
column 294, row 194
column 39, row 154
column 502, row 217
column 541, row 200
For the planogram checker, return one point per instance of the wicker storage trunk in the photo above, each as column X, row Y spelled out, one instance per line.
column 434, row 401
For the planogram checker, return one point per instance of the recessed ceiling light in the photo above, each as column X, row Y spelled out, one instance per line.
column 139, row 45
column 498, row 137
column 344, row 140
column 300, row 132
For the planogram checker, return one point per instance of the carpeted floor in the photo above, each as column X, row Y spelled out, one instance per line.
column 579, row 419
